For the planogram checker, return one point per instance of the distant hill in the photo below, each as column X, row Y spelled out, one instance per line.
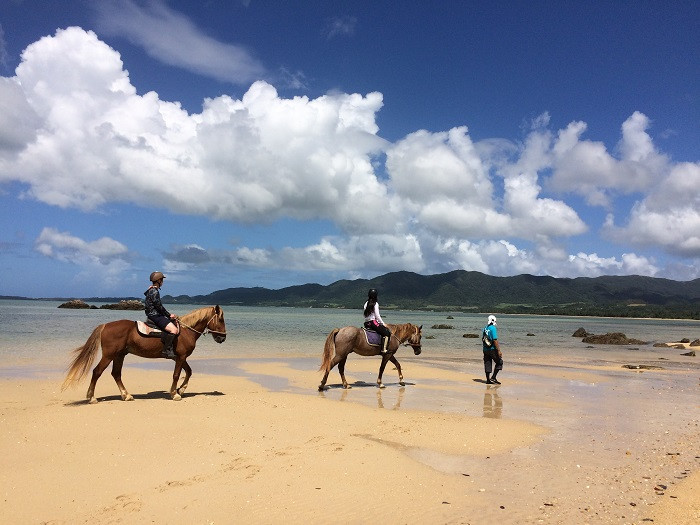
column 623, row 296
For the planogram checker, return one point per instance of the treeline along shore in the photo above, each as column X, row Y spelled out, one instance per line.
column 606, row 296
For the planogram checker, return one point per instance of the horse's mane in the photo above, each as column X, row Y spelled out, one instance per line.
column 195, row 316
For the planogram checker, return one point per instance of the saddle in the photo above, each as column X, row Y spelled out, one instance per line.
column 148, row 329
column 373, row 338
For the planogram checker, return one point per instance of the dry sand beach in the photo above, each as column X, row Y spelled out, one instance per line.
column 252, row 440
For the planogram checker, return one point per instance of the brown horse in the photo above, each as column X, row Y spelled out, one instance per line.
column 119, row 338
column 343, row 341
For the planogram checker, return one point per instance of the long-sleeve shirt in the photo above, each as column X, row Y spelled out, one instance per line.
column 374, row 314
column 153, row 305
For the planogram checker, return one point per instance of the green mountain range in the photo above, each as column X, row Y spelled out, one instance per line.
column 621, row 296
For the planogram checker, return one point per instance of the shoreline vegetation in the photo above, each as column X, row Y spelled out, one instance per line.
column 467, row 292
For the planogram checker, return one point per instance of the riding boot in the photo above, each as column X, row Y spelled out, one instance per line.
column 385, row 344
column 167, row 338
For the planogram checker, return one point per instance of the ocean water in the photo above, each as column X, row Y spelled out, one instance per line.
column 36, row 332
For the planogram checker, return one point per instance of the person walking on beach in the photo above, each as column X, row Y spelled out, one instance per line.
column 373, row 321
column 492, row 351
column 157, row 313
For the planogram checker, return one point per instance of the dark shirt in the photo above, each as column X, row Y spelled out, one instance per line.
column 153, row 305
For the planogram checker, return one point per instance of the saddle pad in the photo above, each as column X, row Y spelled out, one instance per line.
column 373, row 338
column 144, row 330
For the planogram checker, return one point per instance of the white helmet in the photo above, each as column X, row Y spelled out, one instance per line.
column 492, row 319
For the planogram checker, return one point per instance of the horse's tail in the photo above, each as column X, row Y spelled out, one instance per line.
column 328, row 351
column 83, row 358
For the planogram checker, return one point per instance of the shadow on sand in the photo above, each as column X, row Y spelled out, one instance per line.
column 159, row 394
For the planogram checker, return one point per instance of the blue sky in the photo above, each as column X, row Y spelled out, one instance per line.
column 264, row 143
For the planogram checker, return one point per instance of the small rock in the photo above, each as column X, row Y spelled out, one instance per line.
column 442, row 327
column 695, row 343
column 690, row 354
column 581, row 332
column 471, row 336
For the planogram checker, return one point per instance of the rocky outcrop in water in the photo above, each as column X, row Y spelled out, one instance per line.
column 612, row 338
column 76, row 304
column 130, row 304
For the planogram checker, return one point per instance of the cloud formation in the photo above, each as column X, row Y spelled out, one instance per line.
column 75, row 133
column 173, row 39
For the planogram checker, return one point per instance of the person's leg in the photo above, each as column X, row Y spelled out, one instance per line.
column 487, row 366
column 499, row 366
column 168, row 336
column 386, row 337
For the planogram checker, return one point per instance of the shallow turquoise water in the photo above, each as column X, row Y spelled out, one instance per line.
column 37, row 332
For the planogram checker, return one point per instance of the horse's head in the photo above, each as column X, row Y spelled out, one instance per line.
column 217, row 325
column 414, row 339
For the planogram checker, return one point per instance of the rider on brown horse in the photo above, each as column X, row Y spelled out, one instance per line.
column 157, row 313
column 373, row 321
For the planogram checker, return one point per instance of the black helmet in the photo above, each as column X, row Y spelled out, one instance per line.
column 372, row 294
column 156, row 276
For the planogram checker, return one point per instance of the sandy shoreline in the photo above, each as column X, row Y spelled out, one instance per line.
column 253, row 440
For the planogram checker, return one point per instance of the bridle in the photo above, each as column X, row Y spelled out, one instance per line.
column 407, row 341
column 206, row 328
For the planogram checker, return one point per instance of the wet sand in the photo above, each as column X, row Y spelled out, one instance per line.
column 253, row 439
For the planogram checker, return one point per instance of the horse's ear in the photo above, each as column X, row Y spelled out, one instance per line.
column 420, row 328
column 217, row 309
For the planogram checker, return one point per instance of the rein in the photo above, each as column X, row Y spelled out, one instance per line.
column 206, row 328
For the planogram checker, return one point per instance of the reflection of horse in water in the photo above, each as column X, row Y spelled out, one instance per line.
column 119, row 338
column 343, row 341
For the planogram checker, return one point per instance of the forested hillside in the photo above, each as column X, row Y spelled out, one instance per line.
column 628, row 296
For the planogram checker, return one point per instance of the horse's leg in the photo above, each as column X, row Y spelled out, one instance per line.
column 96, row 373
column 117, row 375
column 176, row 376
column 398, row 368
column 335, row 361
column 188, row 373
column 341, row 369
column 385, row 360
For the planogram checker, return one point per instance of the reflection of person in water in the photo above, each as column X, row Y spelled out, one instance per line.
column 492, row 403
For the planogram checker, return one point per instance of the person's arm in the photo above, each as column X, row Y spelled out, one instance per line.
column 159, row 305
column 376, row 314
column 497, row 347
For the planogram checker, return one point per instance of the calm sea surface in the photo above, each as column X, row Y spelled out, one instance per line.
column 38, row 332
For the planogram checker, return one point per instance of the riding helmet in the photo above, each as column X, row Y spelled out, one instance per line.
column 157, row 276
column 492, row 319
column 372, row 294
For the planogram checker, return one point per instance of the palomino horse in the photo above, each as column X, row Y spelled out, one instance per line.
column 118, row 338
column 343, row 341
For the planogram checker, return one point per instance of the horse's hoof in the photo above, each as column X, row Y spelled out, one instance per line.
column 321, row 388
column 402, row 383
column 347, row 387
column 92, row 401
column 128, row 397
column 381, row 385
column 177, row 397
